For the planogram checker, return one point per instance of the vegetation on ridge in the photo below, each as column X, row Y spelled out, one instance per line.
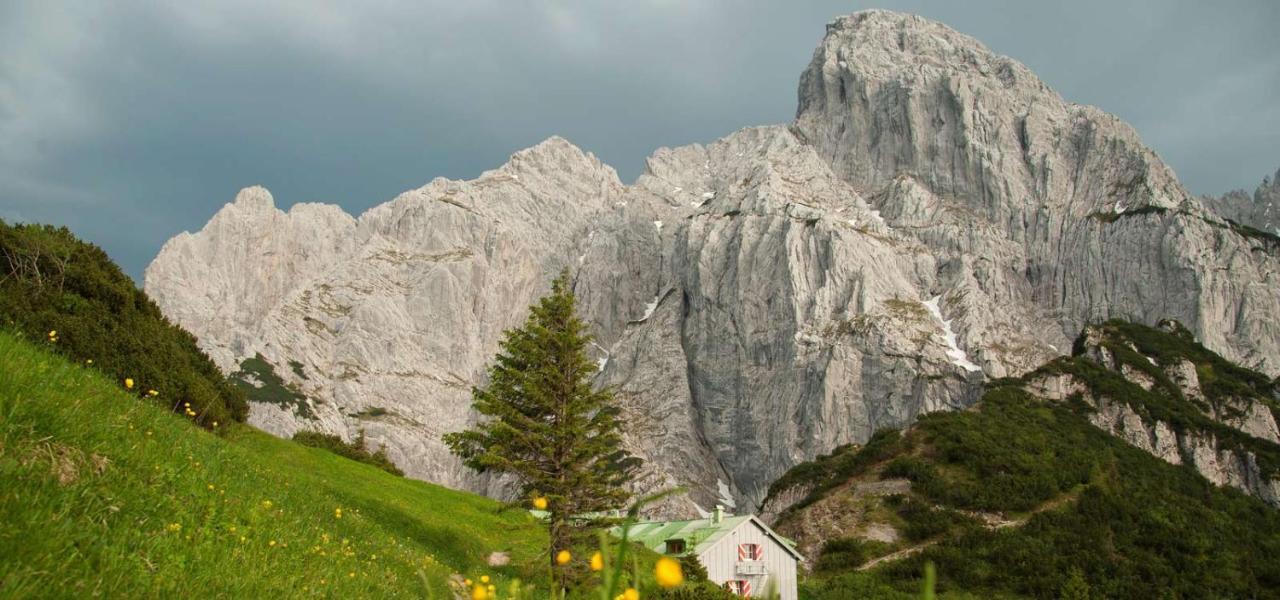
column 1019, row 497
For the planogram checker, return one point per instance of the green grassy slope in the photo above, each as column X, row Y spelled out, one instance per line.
column 103, row 493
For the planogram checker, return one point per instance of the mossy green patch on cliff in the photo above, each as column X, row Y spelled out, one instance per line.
column 260, row 383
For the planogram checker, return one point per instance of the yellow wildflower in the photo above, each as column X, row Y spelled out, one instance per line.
column 271, row 543
column 466, row 582
column 53, row 333
column 631, row 594
column 668, row 573
column 128, row 383
column 215, row 423
column 337, row 513
column 175, row 527
column 153, row 393
column 540, row 503
column 484, row 579
column 479, row 593
column 597, row 562
column 563, row 557
column 89, row 362
column 210, row 487
column 267, row 504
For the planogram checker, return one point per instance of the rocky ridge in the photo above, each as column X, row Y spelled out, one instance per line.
column 1260, row 211
column 1200, row 412
column 935, row 215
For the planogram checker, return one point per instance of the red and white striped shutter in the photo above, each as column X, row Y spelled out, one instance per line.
column 746, row 587
column 750, row 552
column 759, row 551
column 741, row 587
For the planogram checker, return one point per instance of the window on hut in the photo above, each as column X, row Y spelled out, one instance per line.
column 675, row 547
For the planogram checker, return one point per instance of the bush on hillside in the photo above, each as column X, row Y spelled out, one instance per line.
column 848, row 553
column 355, row 450
column 52, row 282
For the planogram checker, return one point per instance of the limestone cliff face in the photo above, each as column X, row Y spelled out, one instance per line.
column 1055, row 210
column 934, row 215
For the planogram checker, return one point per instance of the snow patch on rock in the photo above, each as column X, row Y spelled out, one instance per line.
column 957, row 356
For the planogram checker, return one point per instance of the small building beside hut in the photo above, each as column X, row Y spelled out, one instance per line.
column 741, row 554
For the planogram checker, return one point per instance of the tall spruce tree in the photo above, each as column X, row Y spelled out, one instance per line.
column 545, row 424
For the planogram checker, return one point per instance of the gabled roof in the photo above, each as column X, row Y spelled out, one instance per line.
column 699, row 534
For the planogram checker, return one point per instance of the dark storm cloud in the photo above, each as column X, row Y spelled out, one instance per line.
column 130, row 122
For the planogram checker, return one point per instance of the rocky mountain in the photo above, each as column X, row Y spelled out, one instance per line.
column 935, row 216
column 1261, row 211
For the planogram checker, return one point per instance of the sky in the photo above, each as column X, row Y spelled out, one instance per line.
column 131, row 121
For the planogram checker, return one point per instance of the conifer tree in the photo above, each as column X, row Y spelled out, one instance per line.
column 545, row 424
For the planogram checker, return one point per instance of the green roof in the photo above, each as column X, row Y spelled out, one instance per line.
column 698, row 534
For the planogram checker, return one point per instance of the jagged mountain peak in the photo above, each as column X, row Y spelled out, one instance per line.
column 886, row 44
column 888, row 93
column 254, row 198
column 1259, row 211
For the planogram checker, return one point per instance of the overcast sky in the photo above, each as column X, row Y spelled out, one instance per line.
column 132, row 121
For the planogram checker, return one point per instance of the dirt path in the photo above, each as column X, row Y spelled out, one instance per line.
column 992, row 521
column 903, row 553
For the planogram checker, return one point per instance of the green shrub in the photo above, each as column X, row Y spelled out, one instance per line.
column 51, row 281
column 355, row 450
column 925, row 522
column 848, row 553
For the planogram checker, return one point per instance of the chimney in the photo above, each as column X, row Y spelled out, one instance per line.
column 718, row 515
